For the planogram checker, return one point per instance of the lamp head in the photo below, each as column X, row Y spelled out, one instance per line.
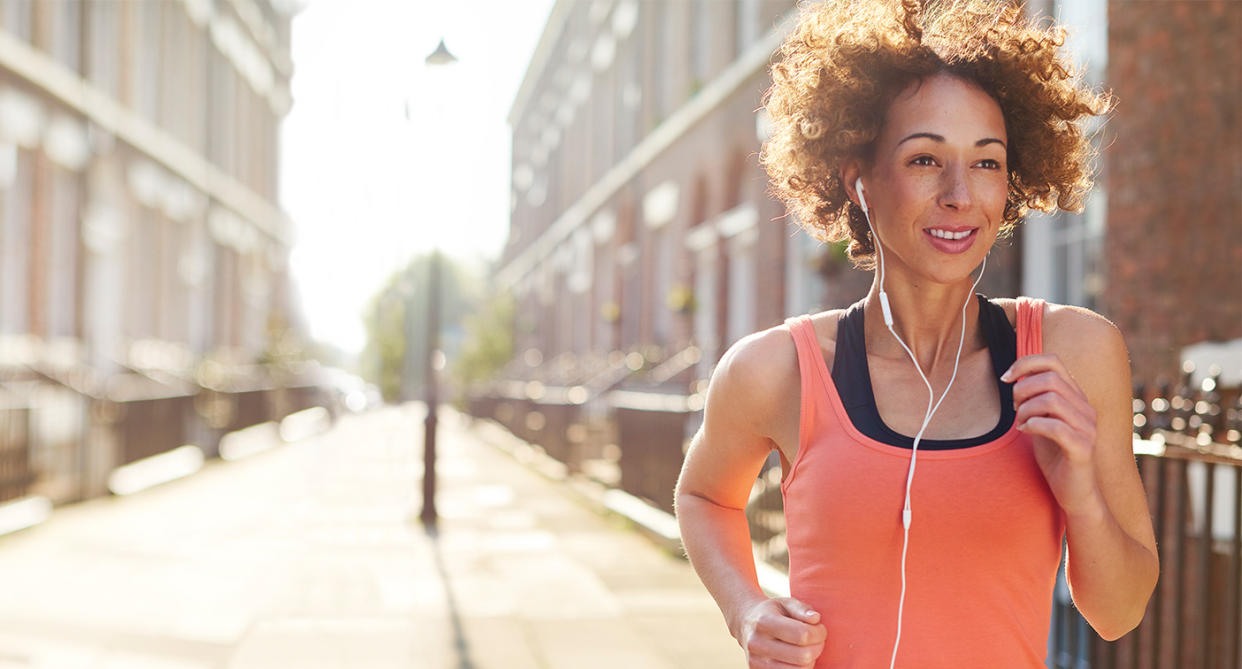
column 441, row 55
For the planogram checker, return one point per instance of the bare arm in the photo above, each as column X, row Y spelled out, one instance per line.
column 746, row 394
column 1075, row 399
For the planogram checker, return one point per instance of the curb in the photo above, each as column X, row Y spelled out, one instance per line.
column 23, row 513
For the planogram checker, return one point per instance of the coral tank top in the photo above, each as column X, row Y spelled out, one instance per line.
column 984, row 545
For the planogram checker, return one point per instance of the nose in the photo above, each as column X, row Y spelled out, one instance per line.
column 954, row 190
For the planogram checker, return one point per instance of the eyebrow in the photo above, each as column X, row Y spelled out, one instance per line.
column 940, row 138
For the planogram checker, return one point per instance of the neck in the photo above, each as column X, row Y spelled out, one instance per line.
column 928, row 318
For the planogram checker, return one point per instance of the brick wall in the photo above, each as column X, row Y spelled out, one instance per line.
column 1174, row 239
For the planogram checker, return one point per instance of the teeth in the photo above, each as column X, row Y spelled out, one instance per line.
column 945, row 234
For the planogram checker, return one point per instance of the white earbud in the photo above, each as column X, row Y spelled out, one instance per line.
column 862, row 202
column 907, row 515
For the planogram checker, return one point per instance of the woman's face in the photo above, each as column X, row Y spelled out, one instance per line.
column 937, row 187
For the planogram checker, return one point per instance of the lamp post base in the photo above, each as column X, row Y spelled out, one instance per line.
column 428, row 514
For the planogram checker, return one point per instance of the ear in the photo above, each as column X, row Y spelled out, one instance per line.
column 850, row 171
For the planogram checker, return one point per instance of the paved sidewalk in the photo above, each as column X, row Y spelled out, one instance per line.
column 310, row 555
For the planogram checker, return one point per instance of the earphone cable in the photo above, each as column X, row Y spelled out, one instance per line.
column 932, row 404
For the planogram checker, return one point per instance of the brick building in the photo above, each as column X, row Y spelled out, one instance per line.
column 141, row 234
column 1174, row 213
column 1159, row 246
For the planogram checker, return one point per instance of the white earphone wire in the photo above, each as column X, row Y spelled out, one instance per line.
column 907, row 515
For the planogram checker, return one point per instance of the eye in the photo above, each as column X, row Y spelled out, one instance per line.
column 990, row 164
column 925, row 161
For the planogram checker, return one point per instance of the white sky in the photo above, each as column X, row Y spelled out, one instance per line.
column 365, row 189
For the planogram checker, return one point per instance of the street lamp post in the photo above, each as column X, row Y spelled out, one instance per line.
column 439, row 57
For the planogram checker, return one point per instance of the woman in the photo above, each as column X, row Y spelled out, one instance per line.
column 923, row 133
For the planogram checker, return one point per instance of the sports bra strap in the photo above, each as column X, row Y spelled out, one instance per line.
column 1030, row 328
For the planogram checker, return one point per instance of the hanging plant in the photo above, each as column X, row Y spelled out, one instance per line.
column 832, row 259
column 610, row 312
column 681, row 299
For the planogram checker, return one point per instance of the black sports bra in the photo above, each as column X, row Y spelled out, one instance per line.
column 852, row 377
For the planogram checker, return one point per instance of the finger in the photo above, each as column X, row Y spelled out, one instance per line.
column 1077, row 415
column 1034, row 363
column 1062, row 433
column 781, row 653
column 799, row 610
column 1049, row 428
column 1042, row 382
column 792, row 631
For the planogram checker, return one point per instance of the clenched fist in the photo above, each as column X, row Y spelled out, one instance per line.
column 782, row 633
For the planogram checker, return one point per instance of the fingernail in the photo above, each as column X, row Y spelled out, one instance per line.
column 1007, row 375
column 1022, row 427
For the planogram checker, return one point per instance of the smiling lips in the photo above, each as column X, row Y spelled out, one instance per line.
column 951, row 240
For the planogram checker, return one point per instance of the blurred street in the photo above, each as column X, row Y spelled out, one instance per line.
column 310, row 555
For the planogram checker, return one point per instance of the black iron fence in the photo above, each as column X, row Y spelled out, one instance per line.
column 1193, row 618
column 1190, row 459
column 629, row 439
column 63, row 432
column 15, row 472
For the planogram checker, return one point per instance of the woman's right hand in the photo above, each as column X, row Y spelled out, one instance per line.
column 782, row 633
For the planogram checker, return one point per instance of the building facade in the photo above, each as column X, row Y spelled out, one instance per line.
column 139, row 229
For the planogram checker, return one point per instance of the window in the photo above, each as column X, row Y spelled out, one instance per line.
column 62, row 268
column 747, row 24
column 662, row 282
column 145, row 59
column 700, row 45
column 741, row 284
column 804, row 288
column 19, row 17
column 66, row 34
column 15, row 271
column 102, row 36
column 1062, row 252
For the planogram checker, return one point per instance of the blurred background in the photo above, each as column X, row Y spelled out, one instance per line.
column 230, row 225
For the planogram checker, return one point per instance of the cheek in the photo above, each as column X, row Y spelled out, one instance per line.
column 912, row 195
column 994, row 197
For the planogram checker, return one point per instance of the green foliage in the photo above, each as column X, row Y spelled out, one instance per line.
column 283, row 345
column 394, row 364
column 487, row 344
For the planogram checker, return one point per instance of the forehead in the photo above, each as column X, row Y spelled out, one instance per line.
column 945, row 105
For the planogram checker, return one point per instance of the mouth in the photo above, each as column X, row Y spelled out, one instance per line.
column 951, row 240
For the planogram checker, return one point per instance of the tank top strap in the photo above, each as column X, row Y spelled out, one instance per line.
column 1030, row 329
column 812, row 372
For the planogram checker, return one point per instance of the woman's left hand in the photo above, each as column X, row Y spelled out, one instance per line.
column 1054, row 410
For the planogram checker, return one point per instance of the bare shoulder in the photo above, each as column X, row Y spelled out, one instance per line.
column 760, row 372
column 1089, row 344
column 1074, row 333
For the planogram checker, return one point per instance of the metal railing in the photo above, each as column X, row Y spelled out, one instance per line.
column 626, row 423
column 1193, row 618
column 1188, row 452
column 62, row 434
column 15, row 472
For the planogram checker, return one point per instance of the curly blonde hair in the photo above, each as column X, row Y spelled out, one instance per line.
column 845, row 63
